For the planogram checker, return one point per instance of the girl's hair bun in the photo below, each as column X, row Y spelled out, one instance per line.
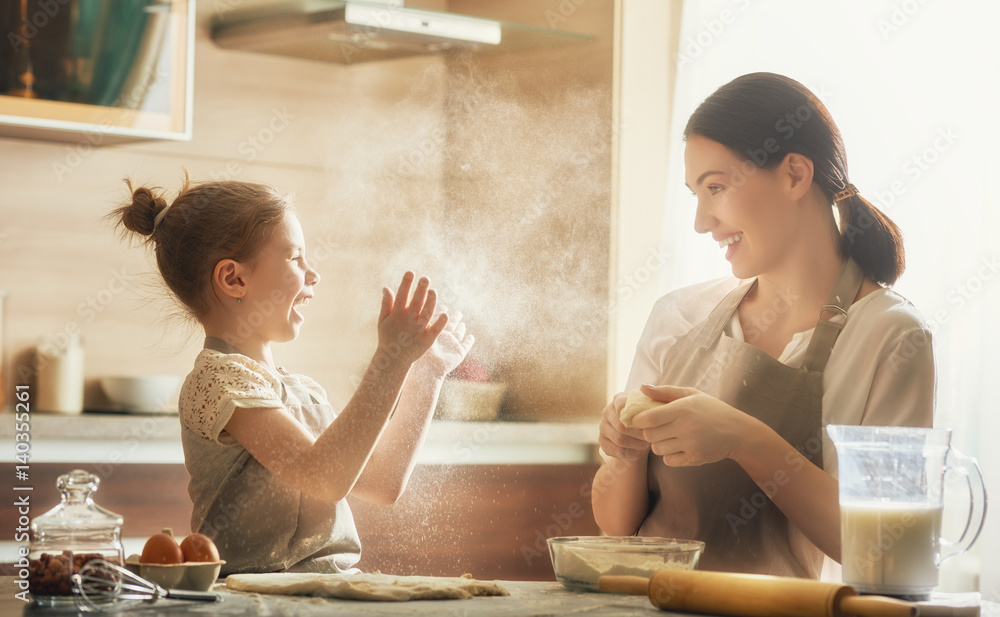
column 140, row 215
column 206, row 223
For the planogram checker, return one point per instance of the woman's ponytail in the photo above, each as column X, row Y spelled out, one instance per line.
column 870, row 237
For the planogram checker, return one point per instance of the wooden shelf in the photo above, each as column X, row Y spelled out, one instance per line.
column 96, row 125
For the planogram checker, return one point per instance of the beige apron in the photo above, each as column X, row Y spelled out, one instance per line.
column 718, row 503
column 261, row 524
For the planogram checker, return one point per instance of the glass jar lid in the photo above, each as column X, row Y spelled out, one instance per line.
column 77, row 509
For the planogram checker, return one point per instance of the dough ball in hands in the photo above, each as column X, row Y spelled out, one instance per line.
column 635, row 403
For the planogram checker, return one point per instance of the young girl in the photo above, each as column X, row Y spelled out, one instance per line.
column 270, row 461
column 750, row 369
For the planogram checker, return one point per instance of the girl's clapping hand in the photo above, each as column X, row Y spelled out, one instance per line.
column 450, row 348
column 407, row 326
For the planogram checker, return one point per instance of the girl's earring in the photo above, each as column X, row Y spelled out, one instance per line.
column 239, row 300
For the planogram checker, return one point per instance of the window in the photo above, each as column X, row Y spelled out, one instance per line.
column 913, row 87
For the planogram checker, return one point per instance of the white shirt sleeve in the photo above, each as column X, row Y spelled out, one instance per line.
column 646, row 363
column 904, row 388
column 881, row 371
column 218, row 385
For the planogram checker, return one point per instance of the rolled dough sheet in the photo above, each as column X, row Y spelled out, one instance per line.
column 373, row 587
column 635, row 403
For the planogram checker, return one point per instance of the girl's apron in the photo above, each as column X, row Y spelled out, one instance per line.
column 718, row 503
column 270, row 526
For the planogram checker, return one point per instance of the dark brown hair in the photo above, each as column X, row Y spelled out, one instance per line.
column 206, row 223
column 762, row 117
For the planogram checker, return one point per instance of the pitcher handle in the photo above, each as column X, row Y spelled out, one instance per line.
column 967, row 468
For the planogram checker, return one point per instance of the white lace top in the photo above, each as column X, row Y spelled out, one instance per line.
column 259, row 523
column 217, row 385
column 221, row 382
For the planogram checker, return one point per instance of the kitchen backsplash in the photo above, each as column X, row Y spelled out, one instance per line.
column 492, row 175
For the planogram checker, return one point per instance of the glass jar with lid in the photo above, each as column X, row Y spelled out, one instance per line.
column 68, row 536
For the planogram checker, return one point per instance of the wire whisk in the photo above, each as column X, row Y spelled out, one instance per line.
column 104, row 586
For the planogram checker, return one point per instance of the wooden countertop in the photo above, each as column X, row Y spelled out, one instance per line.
column 526, row 599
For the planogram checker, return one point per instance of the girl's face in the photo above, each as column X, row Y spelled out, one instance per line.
column 742, row 206
column 279, row 284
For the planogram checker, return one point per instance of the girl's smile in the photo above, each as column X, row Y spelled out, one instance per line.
column 302, row 301
column 279, row 284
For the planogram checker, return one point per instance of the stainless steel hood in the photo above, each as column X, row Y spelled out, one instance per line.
column 349, row 31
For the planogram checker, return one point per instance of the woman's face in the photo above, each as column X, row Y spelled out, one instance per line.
column 741, row 205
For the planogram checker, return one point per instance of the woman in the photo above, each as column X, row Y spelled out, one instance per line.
column 750, row 369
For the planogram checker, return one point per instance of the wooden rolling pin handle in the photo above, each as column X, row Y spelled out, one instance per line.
column 634, row 585
column 751, row 595
column 876, row 606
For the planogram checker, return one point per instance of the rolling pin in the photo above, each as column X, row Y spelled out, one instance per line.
column 753, row 595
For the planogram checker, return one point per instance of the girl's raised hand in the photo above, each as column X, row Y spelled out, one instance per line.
column 450, row 348
column 405, row 326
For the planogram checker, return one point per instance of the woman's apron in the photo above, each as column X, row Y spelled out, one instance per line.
column 270, row 526
column 718, row 503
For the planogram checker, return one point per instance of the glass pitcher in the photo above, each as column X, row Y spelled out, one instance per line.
column 891, row 502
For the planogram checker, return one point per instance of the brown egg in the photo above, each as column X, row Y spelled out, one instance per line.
column 162, row 548
column 198, row 547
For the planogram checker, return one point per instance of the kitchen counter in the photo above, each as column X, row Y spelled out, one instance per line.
column 526, row 599
column 104, row 438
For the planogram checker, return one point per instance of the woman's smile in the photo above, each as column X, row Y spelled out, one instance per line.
column 730, row 243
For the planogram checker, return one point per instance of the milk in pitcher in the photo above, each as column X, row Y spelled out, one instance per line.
column 885, row 545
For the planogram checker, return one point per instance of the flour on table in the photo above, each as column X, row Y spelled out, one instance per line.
column 588, row 568
column 374, row 587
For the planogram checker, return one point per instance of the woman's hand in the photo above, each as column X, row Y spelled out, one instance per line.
column 615, row 439
column 691, row 428
column 405, row 326
column 449, row 349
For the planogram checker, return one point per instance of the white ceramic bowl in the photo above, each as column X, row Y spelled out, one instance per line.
column 578, row 561
column 141, row 393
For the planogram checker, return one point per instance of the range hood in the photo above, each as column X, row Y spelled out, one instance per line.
column 349, row 31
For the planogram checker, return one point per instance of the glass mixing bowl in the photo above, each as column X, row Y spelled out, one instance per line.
column 579, row 561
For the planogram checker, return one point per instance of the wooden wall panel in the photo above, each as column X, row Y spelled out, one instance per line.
column 148, row 497
column 488, row 520
column 367, row 215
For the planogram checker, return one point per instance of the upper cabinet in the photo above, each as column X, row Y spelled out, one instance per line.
column 96, row 71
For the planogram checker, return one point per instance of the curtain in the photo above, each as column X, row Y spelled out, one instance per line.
column 106, row 40
column 913, row 87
